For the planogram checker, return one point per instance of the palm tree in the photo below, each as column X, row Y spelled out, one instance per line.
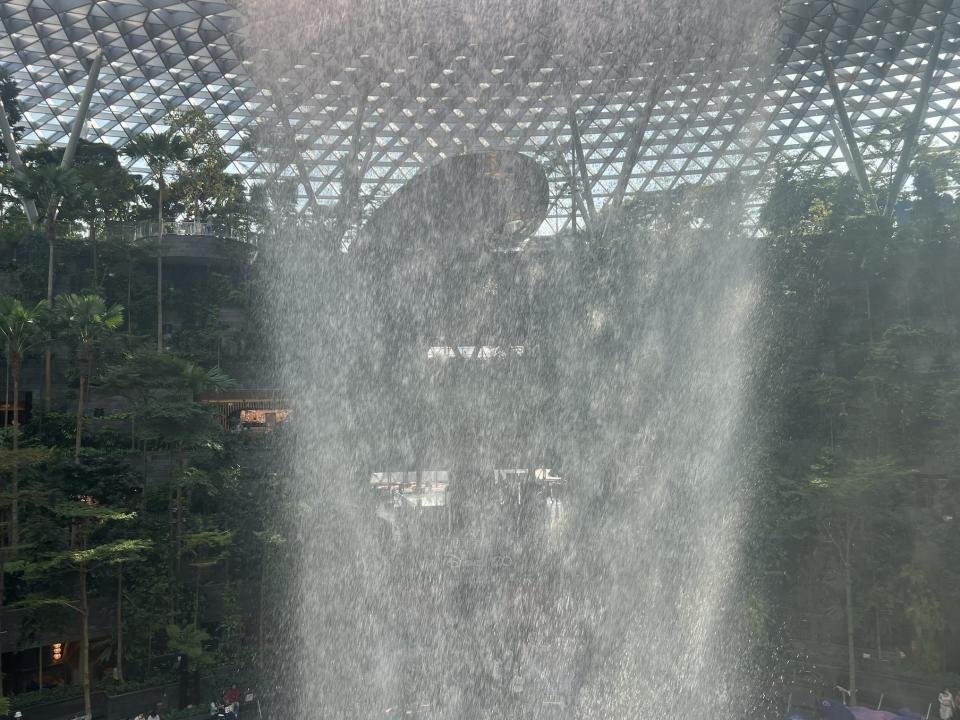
column 48, row 185
column 159, row 151
column 88, row 319
column 211, row 380
column 21, row 329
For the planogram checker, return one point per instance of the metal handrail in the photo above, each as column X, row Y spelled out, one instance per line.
column 219, row 229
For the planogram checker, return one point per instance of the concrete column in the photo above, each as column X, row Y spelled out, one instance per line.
column 29, row 206
column 77, row 130
column 848, row 135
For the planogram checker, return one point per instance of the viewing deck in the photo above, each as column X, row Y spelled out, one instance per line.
column 197, row 243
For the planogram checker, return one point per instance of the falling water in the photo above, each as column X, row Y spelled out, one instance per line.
column 560, row 434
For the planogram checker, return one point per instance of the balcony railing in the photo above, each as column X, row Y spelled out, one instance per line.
column 214, row 228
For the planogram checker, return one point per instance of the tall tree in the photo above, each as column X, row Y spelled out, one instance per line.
column 160, row 151
column 203, row 184
column 162, row 389
column 865, row 448
column 205, row 549
column 854, row 501
column 21, row 328
column 85, row 516
column 87, row 319
column 110, row 193
column 48, row 184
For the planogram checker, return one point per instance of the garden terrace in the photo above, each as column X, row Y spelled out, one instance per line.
column 197, row 243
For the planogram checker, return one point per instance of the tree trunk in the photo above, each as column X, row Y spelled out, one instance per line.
column 879, row 648
column 15, row 473
column 262, row 618
column 51, row 233
column 160, row 269
column 196, row 599
column 129, row 294
column 149, row 651
column 851, row 650
column 92, row 235
column 178, row 473
column 85, row 643
column 173, row 562
column 120, row 622
column 84, row 374
column 2, row 590
column 179, row 536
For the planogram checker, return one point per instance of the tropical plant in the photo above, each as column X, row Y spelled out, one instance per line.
column 169, row 384
column 270, row 543
column 84, row 515
column 205, row 549
column 863, row 456
column 203, row 184
column 21, row 328
column 159, row 151
column 88, row 320
column 111, row 194
column 188, row 642
column 48, row 184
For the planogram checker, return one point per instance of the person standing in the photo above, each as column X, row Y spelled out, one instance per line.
column 947, row 704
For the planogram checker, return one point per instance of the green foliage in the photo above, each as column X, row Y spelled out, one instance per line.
column 203, row 186
column 21, row 327
column 23, row 457
column 207, row 380
column 866, row 364
column 85, row 512
column 22, row 701
column 923, row 612
column 207, row 548
column 158, row 150
column 178, row 423
column 87, row 317
column 190, row 641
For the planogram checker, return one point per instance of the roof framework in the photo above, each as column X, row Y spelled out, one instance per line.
column 613, row 121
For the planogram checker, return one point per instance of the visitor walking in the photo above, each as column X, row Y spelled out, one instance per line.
column 947, row 704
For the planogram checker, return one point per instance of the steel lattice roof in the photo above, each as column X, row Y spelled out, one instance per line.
column 709, row 117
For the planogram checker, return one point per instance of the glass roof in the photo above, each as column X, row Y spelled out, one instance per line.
column 625, row 118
